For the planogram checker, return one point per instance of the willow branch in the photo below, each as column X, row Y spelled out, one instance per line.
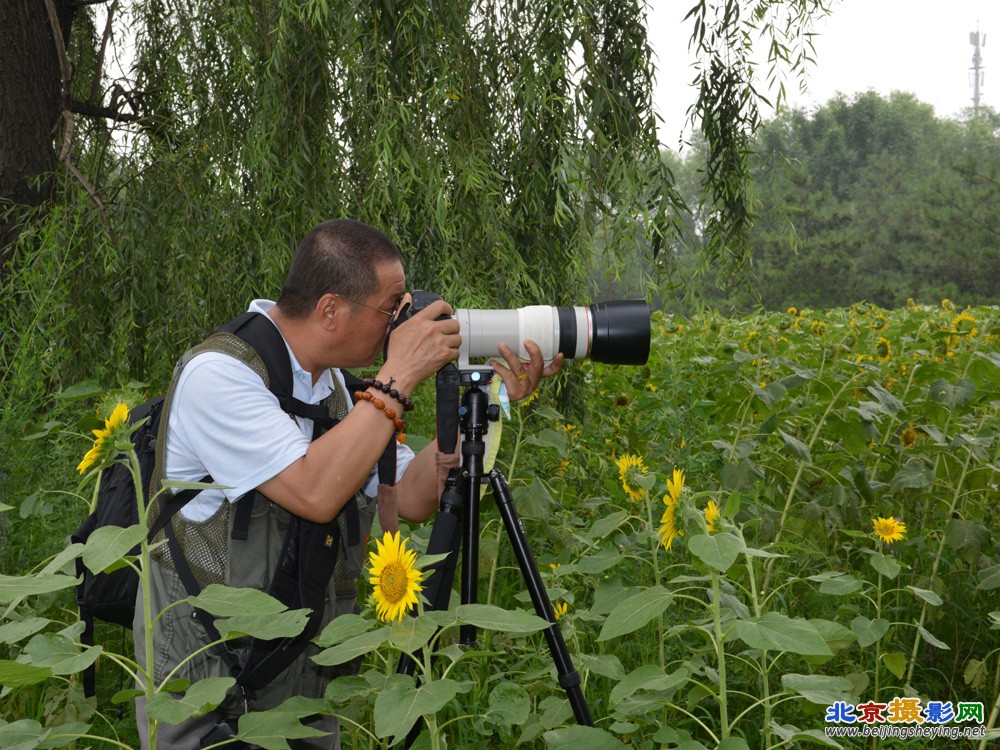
column 96, row 85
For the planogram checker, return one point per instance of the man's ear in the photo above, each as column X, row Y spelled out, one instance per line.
column 326, row 311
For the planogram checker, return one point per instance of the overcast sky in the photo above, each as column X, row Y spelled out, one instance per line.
column 919, row 46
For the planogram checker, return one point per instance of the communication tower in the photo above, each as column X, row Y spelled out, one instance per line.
column 978, row 41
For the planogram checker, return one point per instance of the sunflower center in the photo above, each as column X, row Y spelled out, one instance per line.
column 393, row 582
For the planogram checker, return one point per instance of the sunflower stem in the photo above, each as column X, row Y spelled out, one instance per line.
column 656, row 571
column 147, row 605
column 720, row 651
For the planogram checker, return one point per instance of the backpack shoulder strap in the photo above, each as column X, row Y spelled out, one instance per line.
column 265, row 338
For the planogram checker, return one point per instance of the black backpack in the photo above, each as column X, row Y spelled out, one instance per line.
column 111, row 596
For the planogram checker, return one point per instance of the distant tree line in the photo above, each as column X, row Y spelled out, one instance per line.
column 866, row 199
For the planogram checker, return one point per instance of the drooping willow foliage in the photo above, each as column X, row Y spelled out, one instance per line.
column 508, row 146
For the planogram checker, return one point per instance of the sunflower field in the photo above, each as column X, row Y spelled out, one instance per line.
column 777, row 533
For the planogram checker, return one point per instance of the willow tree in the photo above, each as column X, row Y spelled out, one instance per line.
column 508, row 146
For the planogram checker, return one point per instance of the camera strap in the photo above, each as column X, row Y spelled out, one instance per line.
column 447, row 383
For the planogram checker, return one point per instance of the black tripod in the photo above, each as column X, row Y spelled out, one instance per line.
column 457, row 520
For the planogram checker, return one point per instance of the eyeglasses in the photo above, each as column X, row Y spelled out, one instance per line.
column 390, row 313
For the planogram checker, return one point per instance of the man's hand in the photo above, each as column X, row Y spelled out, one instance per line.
column 522, row 378
column 422, row 345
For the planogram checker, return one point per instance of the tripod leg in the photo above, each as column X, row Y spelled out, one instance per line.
column 569, row 678
column 446, row 536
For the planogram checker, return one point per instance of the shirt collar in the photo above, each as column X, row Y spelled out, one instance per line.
column 302, row 387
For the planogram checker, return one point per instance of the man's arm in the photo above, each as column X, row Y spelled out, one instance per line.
column 317, row 485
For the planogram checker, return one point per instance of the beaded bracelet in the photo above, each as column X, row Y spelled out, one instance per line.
column 379, row 404
column 388, row 390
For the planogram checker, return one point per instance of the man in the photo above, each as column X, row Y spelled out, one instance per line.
column 344, row 289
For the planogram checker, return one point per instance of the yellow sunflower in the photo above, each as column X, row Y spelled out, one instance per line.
column 883, row 349
column 395, row 577
column 104, row 439
column 908, row 436
column 669, row 529
column 675, row 485
column 560, row 610
column 712, row 514
column 628, row 464
column 889, row 530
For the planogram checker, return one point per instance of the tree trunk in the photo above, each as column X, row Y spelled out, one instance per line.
column 31, row 100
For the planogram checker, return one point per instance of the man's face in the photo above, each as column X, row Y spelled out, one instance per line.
column 368, row 320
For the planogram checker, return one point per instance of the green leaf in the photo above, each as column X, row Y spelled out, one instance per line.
column 606, row 665
column 893, row 405
column 534, row 500
column 226, row 601
column 488, row 617
column 345, row 689
column 914, row 476
column 60, row 654
column 342, row 628
column 868, row 631
column 775, row 631
column 509, row 705
column 989, row 578
column 597, row 563
column 819, row 689
column 603, row 527
column 412, row 634
column 14, row 674
column 400, row 705
column 635, row 612
column 185, row 484
column 837, row 584
column 732, row 505
column 650, row 677
column 61, row 735
column 273, row 728
column 18, row 587
column 25, row 734
column 12, row 632
column 84, row 389
column 281, row 625
column 952, row 395
column 126, row 696
column 926, row 635
column 887, row 566
column 930, row 597
column 202, row 697
column 57, row 563
column 108, row 544
column 835, row 634
column 352, row 648
column 576, row 737
column 796, row 446
column 718, row 551
column 896, row 663
column 548, row 438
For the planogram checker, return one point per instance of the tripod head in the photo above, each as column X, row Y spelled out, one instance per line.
column 471, row 412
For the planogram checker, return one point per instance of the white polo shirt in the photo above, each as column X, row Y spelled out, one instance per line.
column 224, row 422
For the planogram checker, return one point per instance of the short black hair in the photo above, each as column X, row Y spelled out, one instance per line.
column 339, row 256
